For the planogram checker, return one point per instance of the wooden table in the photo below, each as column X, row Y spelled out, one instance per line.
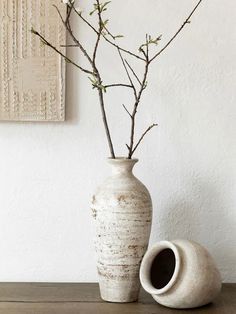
column 37, row 298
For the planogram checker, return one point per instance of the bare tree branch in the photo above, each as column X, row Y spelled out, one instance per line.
column 69, row 11
column 147, row 50
column 100, row 90
column 66, row 23
column 136, row 104
column 127, row 111
column 83, row 19
column 104, row 36
column 187, row 21
column 45, row 42
column 118, row 85
column 104, row 117
column 127, row 73
column 132, row 70
column 103, row 32
column 127, row 146
column 99, row 32
column 69, row 46
column 122, row 49
column 142, row 137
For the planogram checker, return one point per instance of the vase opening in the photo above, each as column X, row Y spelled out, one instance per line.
column 162, row 268
column 122, row 159
column 122, row 165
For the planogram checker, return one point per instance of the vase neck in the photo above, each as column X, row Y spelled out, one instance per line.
column 122, row 165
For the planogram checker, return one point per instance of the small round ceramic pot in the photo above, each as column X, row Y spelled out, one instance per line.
column 180, row 274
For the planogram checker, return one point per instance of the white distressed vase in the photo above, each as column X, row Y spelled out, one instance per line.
column 122, row 209
column 180, row 274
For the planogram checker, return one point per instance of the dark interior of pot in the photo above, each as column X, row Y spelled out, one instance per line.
column 162, row 269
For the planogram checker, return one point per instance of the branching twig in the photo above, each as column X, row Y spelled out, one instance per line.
column 137, row 101
column 127, row 112
column 69, row 46
column 127, row 73
column 187, row 21
column 45, row 42
column 69, row 11
column 142, row 137
column 92, row 60
column 104, row 36
column 104, row 117
column 99, row 32
column 66, row 23
column 122, row 49
column 132, row 70
column 99, row 79
column 144, row 81
column 118, row 85
column 83, row 19
column 103, row 33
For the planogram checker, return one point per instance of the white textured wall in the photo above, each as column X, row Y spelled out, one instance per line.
column 49, row 171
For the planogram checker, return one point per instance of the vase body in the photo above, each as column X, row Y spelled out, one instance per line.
column 180, row 274
column 122, row 210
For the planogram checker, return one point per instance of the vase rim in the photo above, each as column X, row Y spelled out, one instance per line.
column 121, row 159
column 147, row 263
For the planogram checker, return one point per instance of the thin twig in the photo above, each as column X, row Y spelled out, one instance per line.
column 127, row 111
column 137, row 101
column 69, row 46
column 142, row 137
column 69, row 10
column 83, row 19
column 104, row 36
column 104, row 117
column 132, row 70
column 66, row 23
column 127, row 73
column 45, row 42
column 147, row 50
column 118, row 85
column 187, row 21
column 99, row 32
column 103, row 32
column 117, row 46
column 100, row 90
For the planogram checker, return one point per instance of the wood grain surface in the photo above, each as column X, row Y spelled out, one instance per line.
column 45, row 298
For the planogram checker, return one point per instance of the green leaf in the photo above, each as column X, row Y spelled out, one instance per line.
column 101, row 8
column 104, row 5
column 95, row 6
column 104, row 23
column 91, row 13
column 150, row 41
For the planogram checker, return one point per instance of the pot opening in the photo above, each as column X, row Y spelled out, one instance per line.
column 162, row 268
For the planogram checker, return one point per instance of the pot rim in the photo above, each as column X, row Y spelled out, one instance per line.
column 121, row 159
column 147, row 264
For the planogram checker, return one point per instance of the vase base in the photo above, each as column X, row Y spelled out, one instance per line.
column 118, row 292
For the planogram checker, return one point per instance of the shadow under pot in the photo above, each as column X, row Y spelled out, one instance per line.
column 180, row 274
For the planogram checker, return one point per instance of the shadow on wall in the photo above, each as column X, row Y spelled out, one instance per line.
column 202, row 221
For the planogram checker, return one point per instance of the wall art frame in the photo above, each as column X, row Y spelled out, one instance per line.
column 32, row 76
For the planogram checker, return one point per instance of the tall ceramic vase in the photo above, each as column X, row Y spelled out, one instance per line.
column 122, row 209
